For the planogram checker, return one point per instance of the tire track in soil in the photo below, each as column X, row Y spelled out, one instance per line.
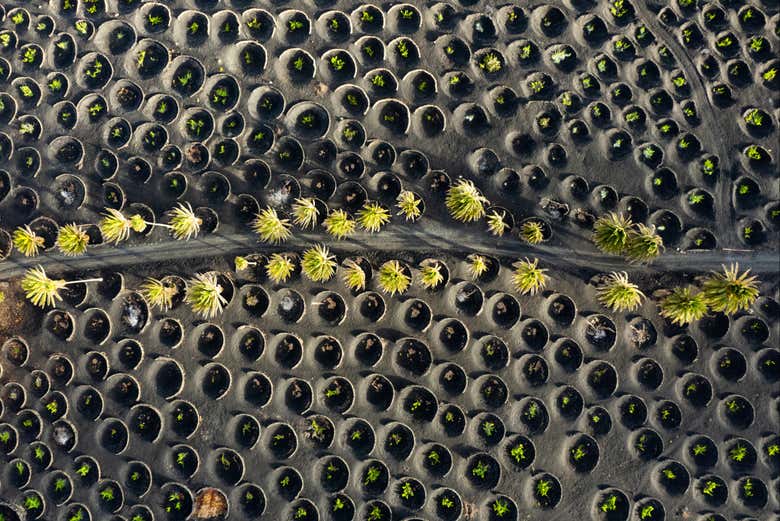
column 710, row 126
column 423, row 238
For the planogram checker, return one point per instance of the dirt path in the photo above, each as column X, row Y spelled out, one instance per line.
column 421, row 238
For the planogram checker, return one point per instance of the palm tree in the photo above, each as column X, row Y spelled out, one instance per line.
column 159, row 292
column 318, row 264
column 339, row 224
column 644, row 244
column 116, row 228
column 477, row 265
column 43, row 291
column 270, row 227
column 683, row 305
column 305, row 212
column 409, row 205
column 496, row 223
column 184, row 223
column 532, row 232
column 528, row 278
column 27, row 241
column 465, row 202
column 353, row 275
column 72, row 240
column 430, row 274
column 610, row 233
column 204, row 295
column 242, row 263
column 372, row 216
column 730, row 291
column 393, row 278
column 618, row 293
column 279, row 267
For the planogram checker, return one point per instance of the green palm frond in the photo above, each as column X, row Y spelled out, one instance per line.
column 496, row 223
column 683, row 306
column 159, row 293
column 730, row 291
column 270, row 227
column 465, row 202
column 392, row 278
column 372, row 216
column 409, row 205
column 305, row 212
column 610, row 233
column 339, row 224
column 183, row 222
column 618, row 293
column 318, row 264
column 72, row 240
column 204, row 295
column 353, row 275
column 279, row 267
column 644, row 244
column 27, row 241
column 528, row 278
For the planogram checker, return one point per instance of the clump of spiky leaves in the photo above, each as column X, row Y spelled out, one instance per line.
column 279, row 267
column 496, row 223
column 730, row 291
column 409, row 205
column 115, row 227
column 339, row 224
column 392, row 278
column 27, row 241
column 683, row 306
column 318, row 264
column 44, row 291
column 431, row 276
column 465, row 202
column 183, row 221
column 372, row 216
column 644, row 244
column 353, row 275
column 159, row 292
column 72, row 240
column 532, row 232
column 477, row 265
column 41, row 290
column 242, row 263
column 618, row 293
column 204, row 295
column 610, row 233
column 270, row 227
column 305, row 212
column 528, row 278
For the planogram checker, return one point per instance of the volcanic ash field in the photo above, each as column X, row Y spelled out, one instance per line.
column 318, row 260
